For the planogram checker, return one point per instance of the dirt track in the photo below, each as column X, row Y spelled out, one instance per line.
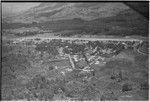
column 141, row 52
column 91, row 39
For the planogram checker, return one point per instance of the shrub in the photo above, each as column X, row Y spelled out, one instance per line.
column 126, row 87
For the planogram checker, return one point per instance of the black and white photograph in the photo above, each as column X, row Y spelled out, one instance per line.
column 75, row 51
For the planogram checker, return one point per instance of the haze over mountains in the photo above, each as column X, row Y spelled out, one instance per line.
column 94, row 18
column 9, row 9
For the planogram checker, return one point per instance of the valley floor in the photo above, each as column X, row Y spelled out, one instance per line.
column 74, row 69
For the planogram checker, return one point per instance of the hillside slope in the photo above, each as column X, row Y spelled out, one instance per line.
column 115, row 19
column 61, row 11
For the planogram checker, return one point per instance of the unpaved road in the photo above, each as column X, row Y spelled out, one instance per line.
column 90, row 39
column 141, row 52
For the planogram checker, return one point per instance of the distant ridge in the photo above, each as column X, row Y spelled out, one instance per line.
column 70, row 19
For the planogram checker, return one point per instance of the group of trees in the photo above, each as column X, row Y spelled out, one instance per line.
column 74, row 48
column 27, row 33
column 47, row 47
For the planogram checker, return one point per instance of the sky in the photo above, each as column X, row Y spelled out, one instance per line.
column 10, row 8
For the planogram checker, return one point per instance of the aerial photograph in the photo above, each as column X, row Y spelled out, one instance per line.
column 75, row 51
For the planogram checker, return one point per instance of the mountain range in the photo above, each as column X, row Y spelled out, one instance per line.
column 95, row 18
column 61, row 11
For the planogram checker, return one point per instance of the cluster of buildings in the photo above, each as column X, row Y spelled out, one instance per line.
column 82, row 61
